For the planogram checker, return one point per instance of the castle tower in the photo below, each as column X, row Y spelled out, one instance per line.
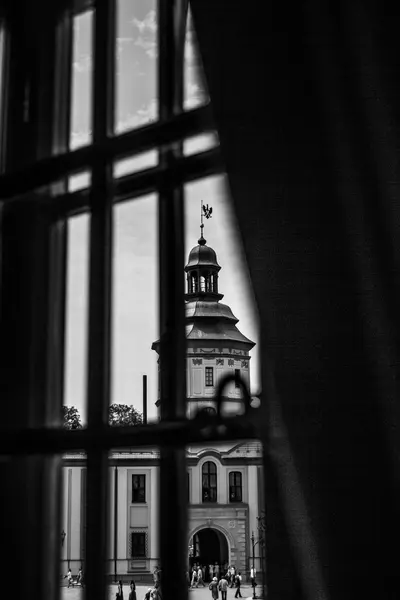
column 215, row 346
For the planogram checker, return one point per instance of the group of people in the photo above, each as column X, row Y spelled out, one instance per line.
column 71, row 581
column 201, row 574
column 222, row 585
column 120, row 591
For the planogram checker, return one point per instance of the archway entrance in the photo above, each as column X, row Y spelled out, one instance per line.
column 210, row 546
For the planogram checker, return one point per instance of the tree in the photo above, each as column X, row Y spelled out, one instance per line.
column 122, row 415
column 71, row 418
column 119, row 415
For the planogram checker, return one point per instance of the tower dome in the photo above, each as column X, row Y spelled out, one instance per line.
column 202, row 255
column 202, row 272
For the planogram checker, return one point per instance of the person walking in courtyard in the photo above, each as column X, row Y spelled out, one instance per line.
column 214, row 588
column 79, row 579
column 132, row 590
column 238, row 581
column 120, row 592
column 194, row 577
column 200, row 577
column 223, row 587
column 210, row 572
column 69, row 577
column 232, row 573
column 253, row 573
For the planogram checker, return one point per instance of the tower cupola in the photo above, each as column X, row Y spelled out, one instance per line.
column 202, row 273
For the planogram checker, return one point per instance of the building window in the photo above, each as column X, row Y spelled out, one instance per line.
column 209, row 482
column 237, row 378
column 138, row 488
column 235, row 486
column 209, row 376
column 138, row 544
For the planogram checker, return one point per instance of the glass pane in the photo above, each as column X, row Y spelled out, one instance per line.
column 73, row 524
column 135, row 311
column 195, row 90
column 134, row 164
column 226, row 537
column 81, row 91
column 200, row 143
column 226, row 293
column 136, row 100
column 134, row 520
column 79, row 181
column 76, row 321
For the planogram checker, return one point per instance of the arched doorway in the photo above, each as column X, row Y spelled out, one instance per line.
column 210, row 546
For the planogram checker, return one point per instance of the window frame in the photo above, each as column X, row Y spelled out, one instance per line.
column 207, row 371
column 47, row 164
column 235, row 486
column 143, row 535
column 210, row 474
column 141, row 488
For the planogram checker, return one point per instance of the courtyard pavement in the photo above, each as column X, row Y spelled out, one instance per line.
column 77, row 593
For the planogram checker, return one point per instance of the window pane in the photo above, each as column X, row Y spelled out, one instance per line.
column 81, row 90
column 134, row 517
column 73, row 522
column 200, row 143
column 195, row 90
column 76, row 320
column 134, row 164
column 136, row 100
column 135, row 311
column 79, row 181
column 217, row 341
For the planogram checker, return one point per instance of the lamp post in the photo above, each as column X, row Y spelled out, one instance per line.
column 253, row 582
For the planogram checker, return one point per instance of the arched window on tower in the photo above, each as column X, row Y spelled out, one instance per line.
column 235, row 486
column 202, row 283
column 209, row 482
column 208, row 282
column 194, row 283
column 215, row 282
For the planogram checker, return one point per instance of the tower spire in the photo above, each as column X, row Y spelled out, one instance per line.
column 205, row 211
column 201, row 220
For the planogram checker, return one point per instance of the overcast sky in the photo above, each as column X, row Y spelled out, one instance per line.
column 135, row 289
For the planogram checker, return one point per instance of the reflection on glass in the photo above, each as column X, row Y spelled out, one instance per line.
column 195, row 89
column 76, row 315
column 136, row 100
column 134, row 164
column 200, row 143
column 79, row 181
column 81, row 91
column 135, row 310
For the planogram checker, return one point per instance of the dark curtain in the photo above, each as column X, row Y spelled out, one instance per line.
column 306, row 103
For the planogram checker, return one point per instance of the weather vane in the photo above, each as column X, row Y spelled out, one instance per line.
column 206, row 211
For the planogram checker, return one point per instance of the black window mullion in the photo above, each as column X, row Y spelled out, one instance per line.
column 100, row 300
column 172, row 316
